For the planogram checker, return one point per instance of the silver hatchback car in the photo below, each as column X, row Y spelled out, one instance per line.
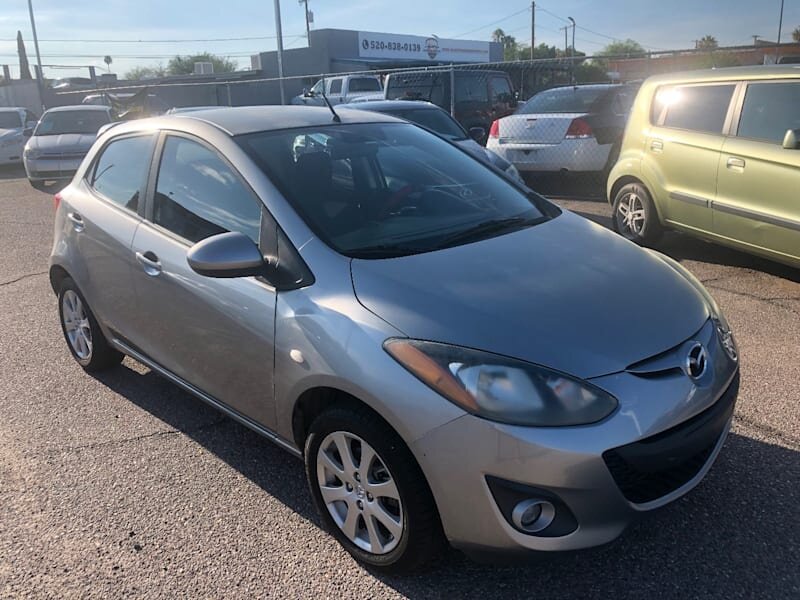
column 455, row 358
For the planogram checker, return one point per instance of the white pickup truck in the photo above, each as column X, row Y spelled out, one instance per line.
column 341, row 90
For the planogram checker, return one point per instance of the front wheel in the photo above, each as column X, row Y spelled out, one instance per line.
column 370, row 492
column 635, row 216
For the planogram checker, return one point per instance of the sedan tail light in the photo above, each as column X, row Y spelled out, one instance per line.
column 579, row 129
column 57, row 200
column 494, row 130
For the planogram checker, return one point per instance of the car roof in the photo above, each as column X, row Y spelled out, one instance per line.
column 728, row 73
column 389, row 105
column 251, row 119
column 81, row 107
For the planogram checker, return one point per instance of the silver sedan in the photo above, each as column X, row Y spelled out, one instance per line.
column 456, row 359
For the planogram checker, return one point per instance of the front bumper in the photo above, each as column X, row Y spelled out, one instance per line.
column 51, row 168
column 580, row 155
column 601, row 473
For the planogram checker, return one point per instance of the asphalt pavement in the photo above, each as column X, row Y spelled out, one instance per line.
column 122, row 485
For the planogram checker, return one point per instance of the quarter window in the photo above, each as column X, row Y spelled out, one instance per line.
column 198, row 195
column 336, row 86
column 696, row 108
column 769, row 110
column 120, row 172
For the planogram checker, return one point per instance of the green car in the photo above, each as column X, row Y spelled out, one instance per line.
column 715, row 154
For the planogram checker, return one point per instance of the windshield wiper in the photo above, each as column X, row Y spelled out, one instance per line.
column 482, row 230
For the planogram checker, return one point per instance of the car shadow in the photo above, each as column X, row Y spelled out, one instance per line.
column 14, row 171
column 735, row 535
column 685, row 247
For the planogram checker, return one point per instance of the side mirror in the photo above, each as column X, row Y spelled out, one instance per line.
column 307, row 93
column 230, row 254
column 477, row 133
column 27, row 132
column 791, row 141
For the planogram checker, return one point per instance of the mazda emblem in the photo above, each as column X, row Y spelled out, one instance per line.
column 696, row 361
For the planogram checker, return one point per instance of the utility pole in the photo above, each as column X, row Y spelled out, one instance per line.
column 572, row 53
column 566, row 43
column 533, row 27
column 780, row 26
column 279, row 33
column 39, row 82
column 308, row 26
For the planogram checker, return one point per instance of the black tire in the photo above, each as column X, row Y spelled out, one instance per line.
column 422, row 539
column 101, row 355
column 646, row 230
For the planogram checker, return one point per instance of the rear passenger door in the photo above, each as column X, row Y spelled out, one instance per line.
column 102, row 216
column 683, row 147
column 216, row 334
column 758, row 202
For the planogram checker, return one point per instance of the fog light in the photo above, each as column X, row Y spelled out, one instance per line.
column 533, row 514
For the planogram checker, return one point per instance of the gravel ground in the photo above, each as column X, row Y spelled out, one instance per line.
column 123, row 485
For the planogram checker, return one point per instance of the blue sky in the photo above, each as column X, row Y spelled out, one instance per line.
column 655, row 24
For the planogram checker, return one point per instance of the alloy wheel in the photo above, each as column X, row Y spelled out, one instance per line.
column 359, row 492
column 76, row 324
column 632, row 215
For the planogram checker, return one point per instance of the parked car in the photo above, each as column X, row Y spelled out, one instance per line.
column 61, row 139
column 575, row 128
column 714, row 154
column 341, row 90
column 440, row 122
column 377, row 302
column 126, row 106
column 16, row 125
column 481, row 96
column 69, row 84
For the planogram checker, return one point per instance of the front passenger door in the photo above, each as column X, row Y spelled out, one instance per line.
column 216, row 334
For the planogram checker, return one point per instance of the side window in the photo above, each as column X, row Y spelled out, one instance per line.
column 198, row 195
column 769, row 110
column 318, row 89
column 500, row 90
column 336, row 86
column 471, row 89
column 121, row 169
column 696, row 108
column 623, row 101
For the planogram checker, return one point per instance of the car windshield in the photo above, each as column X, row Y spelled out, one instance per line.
column 10, row 120
column 436, row 120
column 379, row 190
column 73, row 121
column 564, row 100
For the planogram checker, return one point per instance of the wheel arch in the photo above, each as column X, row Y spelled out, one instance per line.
column 57, row 275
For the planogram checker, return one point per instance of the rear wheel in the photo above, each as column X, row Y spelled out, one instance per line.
column 370, row 492
column 84, row 337
column 635, row 216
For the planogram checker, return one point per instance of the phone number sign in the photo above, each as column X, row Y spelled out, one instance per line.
column 414, row 47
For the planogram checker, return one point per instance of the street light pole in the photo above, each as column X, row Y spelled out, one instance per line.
column 780, row 26
column 572, row 50
column 533, row 27
column 279, row 34
column 38, row 56
column 308, row 25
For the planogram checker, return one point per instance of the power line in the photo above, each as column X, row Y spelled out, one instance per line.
column 169, row 41
column 519, row 12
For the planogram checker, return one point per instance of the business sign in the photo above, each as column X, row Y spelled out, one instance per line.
column 416, row 47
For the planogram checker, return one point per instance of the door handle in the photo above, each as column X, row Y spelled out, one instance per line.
column 735, row 163
column 656, row 145
column 77, row 221
column 149, row 262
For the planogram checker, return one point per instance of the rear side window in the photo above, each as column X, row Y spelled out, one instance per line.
column 121, row 169
column 500, row 90
column 365, row 84
column 700, row 108
column 565, row 100
column 336, row 86
column 769, row 110
column 471, row 89
column 433, row 87
column 198, row 195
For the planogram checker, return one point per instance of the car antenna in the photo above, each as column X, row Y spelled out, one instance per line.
column 336, row 118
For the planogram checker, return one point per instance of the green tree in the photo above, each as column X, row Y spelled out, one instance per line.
column 627, row 48
column 146, row 72
column 184, row 65
column 796, row 34
column 707, row 42
column 510, row 46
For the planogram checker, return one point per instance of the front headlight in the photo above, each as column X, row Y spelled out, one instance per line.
column 31, row 153
column 502, row 389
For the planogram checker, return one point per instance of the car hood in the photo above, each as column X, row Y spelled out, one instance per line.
column 67, row 142
column 567, row 294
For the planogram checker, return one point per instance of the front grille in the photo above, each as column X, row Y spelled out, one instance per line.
column 656, row 466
